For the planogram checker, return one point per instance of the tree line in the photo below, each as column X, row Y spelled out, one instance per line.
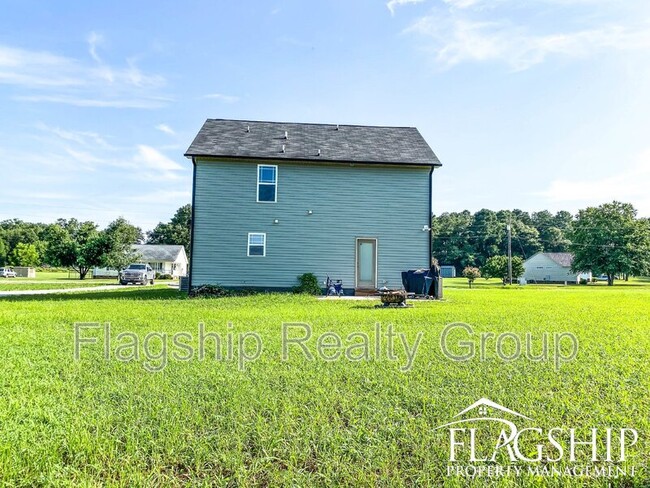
column 609, row 239
column 82, row 245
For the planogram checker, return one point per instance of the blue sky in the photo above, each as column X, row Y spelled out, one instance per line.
column 532, row 105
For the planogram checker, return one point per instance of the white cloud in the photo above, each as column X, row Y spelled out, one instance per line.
column 145, row 103
column 47, row 77
column 223, row 98
column 93, row 40
column 392, row 4
column 61, row 167
column 629, row 185
column 85, row 138
column 457, row 38
column 162, row 196
column 152, row 163
column 462, row 3
column 166, row 129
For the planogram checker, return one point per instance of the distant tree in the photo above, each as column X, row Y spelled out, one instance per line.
column 488, row 235
column 25, row 255
column 525, row 240
column 451, row 239
column 3, row 251
column 553, row 229
column 471, row 273
column 124, row 232
column 16, row 231
column 610, row 240
column 122, row 235
column 176, row 231
column 78, row 245
column 497, row 267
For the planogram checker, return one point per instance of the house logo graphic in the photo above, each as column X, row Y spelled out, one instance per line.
column 487, row 439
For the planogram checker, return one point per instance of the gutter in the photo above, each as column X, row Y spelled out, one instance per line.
column 308, row 160
column 189, row 281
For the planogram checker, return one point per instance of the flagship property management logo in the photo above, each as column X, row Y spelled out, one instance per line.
column 488, row 440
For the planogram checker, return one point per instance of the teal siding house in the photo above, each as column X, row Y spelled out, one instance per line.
column 274, row 200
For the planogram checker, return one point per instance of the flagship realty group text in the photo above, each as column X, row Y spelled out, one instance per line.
column 456, row 342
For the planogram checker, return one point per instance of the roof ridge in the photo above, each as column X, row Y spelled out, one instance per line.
column 333, row 124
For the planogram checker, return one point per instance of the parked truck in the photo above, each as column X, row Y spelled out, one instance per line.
column 136, row 273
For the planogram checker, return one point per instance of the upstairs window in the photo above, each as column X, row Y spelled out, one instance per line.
column 267, row 183
column 256, row 244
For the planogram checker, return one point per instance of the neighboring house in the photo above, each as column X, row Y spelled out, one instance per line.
column 273, row 200
column 552, row 267
column 163, row 258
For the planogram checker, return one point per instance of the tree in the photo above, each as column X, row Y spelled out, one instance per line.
column 451, row 239
column 497, row 267
column 610, row 240
column 15, row 231
column 177, row 231
column 25, row 255
column 78, row 245
column 3, row 251
column 122, row 236
column 471, row 274
column 553, row 229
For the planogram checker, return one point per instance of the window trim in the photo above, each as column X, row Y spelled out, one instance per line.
column 257, row 187
column 248, row 245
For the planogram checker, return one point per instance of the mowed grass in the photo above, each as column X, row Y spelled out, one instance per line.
column 58, row 280
column 300, row 422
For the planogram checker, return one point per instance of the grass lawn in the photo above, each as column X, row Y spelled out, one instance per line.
column 305, row 422
column 56, row 280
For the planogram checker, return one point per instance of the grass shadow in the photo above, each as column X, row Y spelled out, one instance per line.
column 127, row 294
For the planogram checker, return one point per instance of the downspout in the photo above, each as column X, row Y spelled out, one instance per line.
column 189, row 281
column 430, row 212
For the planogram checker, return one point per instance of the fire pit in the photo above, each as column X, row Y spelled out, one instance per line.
column 393, row 298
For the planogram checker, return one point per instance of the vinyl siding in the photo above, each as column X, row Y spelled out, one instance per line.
column 385, row 202
column 541, row 268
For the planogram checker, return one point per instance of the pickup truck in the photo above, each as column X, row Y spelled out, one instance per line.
column 137, row 273
column 7, row 273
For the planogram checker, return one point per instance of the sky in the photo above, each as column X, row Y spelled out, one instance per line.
column 540, row 104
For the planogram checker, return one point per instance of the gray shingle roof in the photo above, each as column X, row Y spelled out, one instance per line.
column 157, row 252
column 350, row 143
column 564, row 259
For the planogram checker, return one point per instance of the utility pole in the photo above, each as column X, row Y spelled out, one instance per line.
column 509, row 227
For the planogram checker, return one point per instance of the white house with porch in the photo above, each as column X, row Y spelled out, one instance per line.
column 163, row 258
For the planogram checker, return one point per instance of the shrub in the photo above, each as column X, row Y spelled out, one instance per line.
column 210, row 291
column 583, row 281
column 163, row 276
column 471, row 274
column 308, row 283
column 218, row 291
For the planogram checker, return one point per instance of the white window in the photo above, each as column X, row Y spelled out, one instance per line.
column 267, row 183
column 256, row 244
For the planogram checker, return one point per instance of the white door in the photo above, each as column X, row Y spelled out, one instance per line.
column 366, row 271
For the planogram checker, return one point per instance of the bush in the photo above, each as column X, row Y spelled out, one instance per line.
column 471, row 273
column 583, row 281
column 211, row 291
column 163, row 276
column 308, row 283
column 218, row 291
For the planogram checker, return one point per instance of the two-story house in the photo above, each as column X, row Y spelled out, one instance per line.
column 274, row 200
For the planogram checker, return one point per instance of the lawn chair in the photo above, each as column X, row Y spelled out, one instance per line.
column 333, row 288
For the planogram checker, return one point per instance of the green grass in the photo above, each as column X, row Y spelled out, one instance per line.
column 301, row 422
column 57, row 280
